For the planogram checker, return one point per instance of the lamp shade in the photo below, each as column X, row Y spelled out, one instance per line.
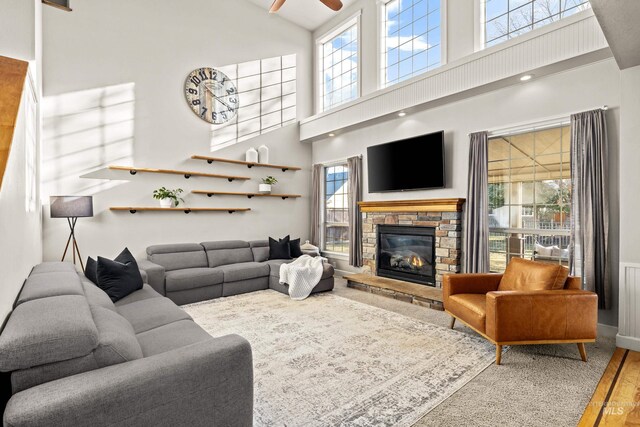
column 71, row 206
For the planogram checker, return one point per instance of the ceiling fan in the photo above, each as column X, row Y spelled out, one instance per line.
column 331, row 4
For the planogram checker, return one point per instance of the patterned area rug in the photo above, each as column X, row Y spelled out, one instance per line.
column 330, row 361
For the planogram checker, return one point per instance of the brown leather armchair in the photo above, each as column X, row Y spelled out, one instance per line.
column 531, row 303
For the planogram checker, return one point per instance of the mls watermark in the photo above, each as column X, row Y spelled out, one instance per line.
column 613, row 407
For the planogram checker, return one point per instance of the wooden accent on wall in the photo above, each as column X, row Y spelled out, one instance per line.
column 429, row 205
column 13, row 73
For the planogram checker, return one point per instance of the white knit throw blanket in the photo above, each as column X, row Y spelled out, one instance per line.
column 302, row 275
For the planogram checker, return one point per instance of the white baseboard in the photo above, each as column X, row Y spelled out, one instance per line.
column 631, row 343
column 607, row 330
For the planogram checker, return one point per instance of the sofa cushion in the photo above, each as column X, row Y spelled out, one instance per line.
column 260, row 249
column 178, row 256
column 50, row 267
column 274, row 264
column 96, row 296
column 227, row 252
column 145, row 293
column 279, row 249
column 26, row 378
column 171, row 336
column 51, row 284
column 191, row 278
column 119, row 278
column 47, row 330
column 524, row 275
column 470, row 307
column 151, row 313
column 117, row 343
column 243, row 271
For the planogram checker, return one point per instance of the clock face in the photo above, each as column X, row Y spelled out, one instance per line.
column 211, row 95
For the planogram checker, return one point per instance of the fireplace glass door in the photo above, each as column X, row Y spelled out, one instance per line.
column 406, row 253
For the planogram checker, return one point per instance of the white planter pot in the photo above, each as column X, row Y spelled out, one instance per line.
column 166, row 203
column 264, row 188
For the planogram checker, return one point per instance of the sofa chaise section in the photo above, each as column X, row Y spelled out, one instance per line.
column 76, row 358
column 191, row 272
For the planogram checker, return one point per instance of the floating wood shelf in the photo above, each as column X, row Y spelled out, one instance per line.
column 187, row 174
column 248, row 195
column 134, row 209
column 247, row 164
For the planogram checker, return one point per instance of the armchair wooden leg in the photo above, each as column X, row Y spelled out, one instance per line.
column 498, row 354
column 583, row 351
column 453, row 322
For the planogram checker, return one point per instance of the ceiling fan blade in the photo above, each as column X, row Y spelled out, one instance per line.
column 277, row 4
column 333, row 4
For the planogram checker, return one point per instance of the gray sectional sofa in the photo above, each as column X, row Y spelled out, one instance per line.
column 191, row 272
column 78, row 359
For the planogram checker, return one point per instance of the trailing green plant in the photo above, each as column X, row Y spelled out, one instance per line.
column 269, row 180
column 164, row 193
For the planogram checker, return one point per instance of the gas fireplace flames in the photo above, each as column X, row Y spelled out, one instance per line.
column 416, row 261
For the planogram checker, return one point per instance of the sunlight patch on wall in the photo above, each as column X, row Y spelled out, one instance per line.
column 267, row 92
column 84, row 131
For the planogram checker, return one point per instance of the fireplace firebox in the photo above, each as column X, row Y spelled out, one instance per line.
column 406, row 253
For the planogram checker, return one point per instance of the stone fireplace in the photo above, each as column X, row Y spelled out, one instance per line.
column 406, row 252
column 442, row 216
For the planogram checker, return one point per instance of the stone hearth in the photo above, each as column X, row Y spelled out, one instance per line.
column 445, row 215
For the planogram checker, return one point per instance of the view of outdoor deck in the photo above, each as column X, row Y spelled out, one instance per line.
column 530, row 196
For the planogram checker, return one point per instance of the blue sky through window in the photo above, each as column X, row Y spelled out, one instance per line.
column 340, row 68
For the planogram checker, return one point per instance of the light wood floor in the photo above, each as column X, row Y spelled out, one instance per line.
column 616, row 401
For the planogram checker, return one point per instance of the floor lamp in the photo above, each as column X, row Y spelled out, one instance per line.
column 72, row 208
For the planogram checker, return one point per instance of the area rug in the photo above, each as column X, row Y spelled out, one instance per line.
column 330, row 361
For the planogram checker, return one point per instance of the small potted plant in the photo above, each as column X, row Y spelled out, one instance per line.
column 168, row 198
column 267, row 182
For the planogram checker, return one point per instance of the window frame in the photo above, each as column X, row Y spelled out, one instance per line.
column 323, row 212
column 381, row 44
column 355, row 19
column 523, row 231
column 480, row 29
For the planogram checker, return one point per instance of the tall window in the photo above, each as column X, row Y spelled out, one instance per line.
column 336, row 212
column 530, row 197
column 505, row 19
column 339, row 65
column 267, row 92
column 411, row 39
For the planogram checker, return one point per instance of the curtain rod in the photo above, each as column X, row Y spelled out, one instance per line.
column 533, row 126
column 330, row 162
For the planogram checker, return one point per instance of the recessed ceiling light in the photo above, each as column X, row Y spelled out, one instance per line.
column 402, row 114
column 526, row 77
column 332, row 134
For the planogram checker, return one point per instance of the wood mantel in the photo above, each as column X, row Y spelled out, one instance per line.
column 428, row 205
column 13, row 73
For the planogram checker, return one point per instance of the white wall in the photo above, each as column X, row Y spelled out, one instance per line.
column 114, row 75
column 558, row 95
column 20, row 245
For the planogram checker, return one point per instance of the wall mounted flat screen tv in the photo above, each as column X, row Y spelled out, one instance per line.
column 410, row 164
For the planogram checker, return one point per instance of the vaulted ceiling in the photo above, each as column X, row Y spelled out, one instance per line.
column 309, row 14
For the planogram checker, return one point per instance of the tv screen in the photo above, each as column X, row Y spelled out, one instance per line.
column 410, row 164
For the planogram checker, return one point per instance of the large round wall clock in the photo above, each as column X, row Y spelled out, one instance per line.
column 211, row 95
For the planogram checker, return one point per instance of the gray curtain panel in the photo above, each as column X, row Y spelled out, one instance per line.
column 316, row 204
column 355, row 218
column 476, row 244
column 590, row 203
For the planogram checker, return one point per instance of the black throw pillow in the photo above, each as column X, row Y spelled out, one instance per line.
column 91, row 268
column 120, row 277
column 279, row 249
column 294, row 247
